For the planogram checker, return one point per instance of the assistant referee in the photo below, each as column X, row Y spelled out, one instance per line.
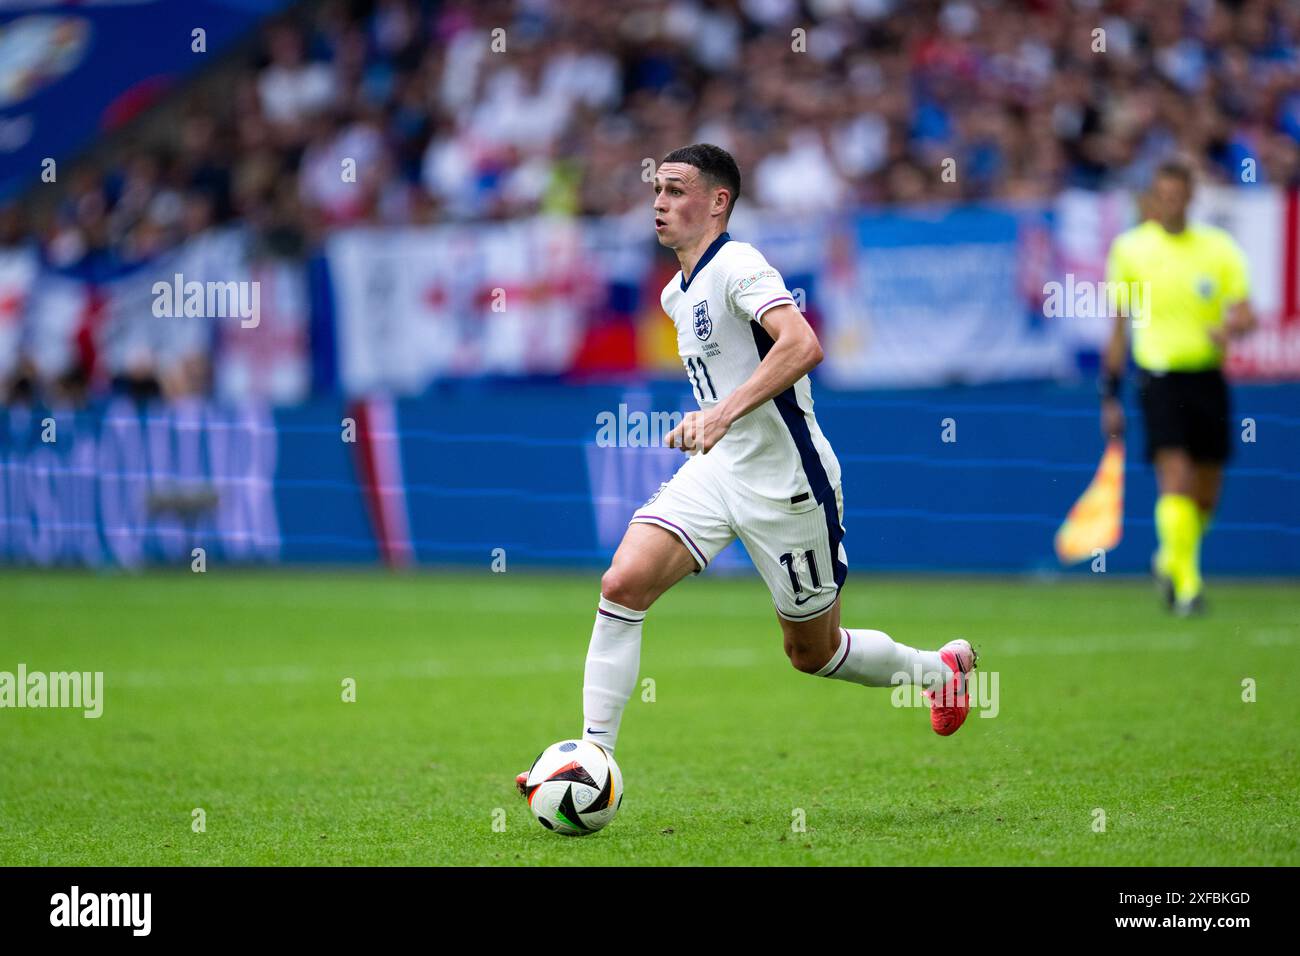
column 1191, row 286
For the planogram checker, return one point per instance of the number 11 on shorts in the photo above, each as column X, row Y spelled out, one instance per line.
column 788, row 560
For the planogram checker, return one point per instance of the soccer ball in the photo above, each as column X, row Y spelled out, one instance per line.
column 574, row 787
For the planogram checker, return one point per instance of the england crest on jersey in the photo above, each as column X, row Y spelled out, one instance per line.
column 703, row 324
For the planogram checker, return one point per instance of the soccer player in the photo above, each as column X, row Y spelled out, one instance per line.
column 760, row 470
column 1194, row 296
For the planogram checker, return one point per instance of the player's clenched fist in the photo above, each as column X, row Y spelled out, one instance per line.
column 699, row 431
column 683, row 436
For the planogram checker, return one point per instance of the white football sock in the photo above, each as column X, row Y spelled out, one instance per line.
column 873, row 658
column 613, row 660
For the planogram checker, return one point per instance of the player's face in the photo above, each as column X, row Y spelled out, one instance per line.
column 1169, row 199
column 682, row 205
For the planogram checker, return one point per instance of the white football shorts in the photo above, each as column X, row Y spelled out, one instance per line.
column 796, row 545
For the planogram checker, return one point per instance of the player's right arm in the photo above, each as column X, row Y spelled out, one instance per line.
column 794, row 353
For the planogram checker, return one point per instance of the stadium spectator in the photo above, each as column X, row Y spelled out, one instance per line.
column 1029, row 97
column 863, row 106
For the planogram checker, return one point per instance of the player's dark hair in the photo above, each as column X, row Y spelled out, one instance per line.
column 714, row 163
column 1176, row 169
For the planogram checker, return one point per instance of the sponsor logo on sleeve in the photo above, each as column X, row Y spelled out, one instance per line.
column 746, row 282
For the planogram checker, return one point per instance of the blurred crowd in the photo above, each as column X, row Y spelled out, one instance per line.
column 823, row 102
column 415, row 111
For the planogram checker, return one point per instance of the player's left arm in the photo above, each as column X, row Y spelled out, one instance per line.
column 794, row 354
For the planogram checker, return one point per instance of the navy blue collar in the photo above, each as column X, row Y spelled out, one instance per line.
column 709, row 253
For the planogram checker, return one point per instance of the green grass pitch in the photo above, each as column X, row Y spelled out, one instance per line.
column 223, row 691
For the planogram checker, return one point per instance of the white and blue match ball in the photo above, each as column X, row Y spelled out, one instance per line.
column 574, row 787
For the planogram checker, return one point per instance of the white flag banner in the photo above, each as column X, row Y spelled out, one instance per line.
column 413, row 305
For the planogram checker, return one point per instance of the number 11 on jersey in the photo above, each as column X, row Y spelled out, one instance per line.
column 700, row 377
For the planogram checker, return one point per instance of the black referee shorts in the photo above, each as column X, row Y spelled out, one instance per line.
column 1187, row 410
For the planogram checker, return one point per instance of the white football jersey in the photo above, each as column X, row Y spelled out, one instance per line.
column 777, row 450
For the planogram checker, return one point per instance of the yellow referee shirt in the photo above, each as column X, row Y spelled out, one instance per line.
column 1185, row 283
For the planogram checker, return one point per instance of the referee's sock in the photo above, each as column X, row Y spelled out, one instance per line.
column 1178, row 526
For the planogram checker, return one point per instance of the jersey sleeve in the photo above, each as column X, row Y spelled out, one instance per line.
column 754, row 287
column 1235, row 273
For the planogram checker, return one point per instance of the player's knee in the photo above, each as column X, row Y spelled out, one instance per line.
column 623, row 587
column 807, row 659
